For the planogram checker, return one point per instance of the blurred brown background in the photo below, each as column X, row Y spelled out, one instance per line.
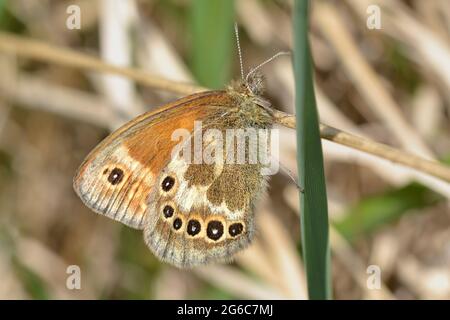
column 389, row 84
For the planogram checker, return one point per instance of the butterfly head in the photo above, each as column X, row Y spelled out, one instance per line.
column 255, row 83
column 250, row 108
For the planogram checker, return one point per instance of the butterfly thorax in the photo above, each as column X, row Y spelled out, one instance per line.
column 245, row 110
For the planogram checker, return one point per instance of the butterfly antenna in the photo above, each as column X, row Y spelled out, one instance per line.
column 241, row 64
column 281, row 53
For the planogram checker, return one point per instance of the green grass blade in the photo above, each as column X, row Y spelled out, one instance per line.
column 212, row 42
column 313, row 201
column 376, row 211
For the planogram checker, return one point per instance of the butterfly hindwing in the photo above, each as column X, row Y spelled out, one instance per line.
column 190, row 234
column 202, row 213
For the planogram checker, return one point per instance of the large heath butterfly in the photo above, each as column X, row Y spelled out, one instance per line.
column 191, row 212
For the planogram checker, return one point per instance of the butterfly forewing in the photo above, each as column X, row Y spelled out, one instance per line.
column 117, row 176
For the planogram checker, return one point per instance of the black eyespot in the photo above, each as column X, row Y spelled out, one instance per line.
column 177, row 223
column 167, row 183
column 214, row 230
column 168, row 211
column 115, row 176
column 193, row 227
column 235, row 229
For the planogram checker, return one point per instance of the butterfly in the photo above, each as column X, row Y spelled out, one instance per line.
column 191, row 213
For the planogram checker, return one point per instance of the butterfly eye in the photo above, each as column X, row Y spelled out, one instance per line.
column 214, row 231
column 115, row 176
column 177, row 223
column 168, row 211
column 193, row 227
column 235, row 229
column 168, row 183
